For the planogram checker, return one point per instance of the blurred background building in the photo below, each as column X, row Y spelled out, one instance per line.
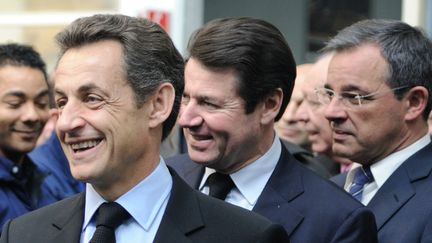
column 306, row 24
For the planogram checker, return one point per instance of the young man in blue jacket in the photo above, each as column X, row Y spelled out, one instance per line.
column 24, row 98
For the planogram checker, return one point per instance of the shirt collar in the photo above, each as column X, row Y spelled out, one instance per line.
column 384, row 168
column 143, row 201
column 251, row 179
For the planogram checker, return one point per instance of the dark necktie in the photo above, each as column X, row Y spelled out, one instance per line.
column 109, row 216
column 362, row 176
column 219, row 185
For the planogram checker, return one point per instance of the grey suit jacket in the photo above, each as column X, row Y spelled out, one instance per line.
column 189, row 217
column 403, row 205
column 311, row 209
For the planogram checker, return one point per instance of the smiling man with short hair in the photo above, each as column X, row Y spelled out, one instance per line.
column 24, row 98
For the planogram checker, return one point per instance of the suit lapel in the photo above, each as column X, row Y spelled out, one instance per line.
column 390, row 197
column 284, row 185
column 67, row 224
column 190, row 171
column 398, row 188
column 182, row 214
column 193, row 175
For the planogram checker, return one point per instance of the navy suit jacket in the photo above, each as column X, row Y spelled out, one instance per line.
column 403, row 205
column 311, row 209
column 190, row 217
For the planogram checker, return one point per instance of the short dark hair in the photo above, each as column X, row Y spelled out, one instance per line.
column 150, row 57
column 22, row 55
column 255, row 49
column 406, row 49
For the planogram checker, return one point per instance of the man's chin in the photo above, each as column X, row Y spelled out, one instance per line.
column 342, row 151
column 201, row 157
column 23, row 149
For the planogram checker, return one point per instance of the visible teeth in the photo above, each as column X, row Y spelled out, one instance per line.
column 84, row 145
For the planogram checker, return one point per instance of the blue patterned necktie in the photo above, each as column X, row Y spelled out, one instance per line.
column 109, row 216
column 362, row 176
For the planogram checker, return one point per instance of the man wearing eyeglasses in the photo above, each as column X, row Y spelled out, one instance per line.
column 377, row 98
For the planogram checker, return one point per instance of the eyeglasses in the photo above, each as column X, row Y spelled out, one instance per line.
column 348, row 98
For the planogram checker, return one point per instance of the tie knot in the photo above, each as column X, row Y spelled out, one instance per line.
column 111, row 215
column 362, row 176
column 219, row 185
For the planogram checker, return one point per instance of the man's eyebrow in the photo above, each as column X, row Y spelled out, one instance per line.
column 206, row 98
column 82, row 89
column 351, row 87
column 15, row 93
column 88, row 87
column 345, row 88
column 328, row 86
column 43, row 93
column 58, row 92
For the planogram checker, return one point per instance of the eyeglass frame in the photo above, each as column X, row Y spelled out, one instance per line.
column 346, row 100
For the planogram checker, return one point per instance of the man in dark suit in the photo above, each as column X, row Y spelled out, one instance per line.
column 118, row 85
column 238, row 80
column 378, row 97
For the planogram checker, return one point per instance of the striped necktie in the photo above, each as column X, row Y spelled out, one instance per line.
column 362, row 176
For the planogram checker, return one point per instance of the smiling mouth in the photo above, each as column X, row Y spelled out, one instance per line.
column 201, row 137
column 27, row 131
column 85, row 145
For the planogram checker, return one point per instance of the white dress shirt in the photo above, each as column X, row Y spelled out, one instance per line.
column 250, row 180
column 384, row 168
column 145, row 202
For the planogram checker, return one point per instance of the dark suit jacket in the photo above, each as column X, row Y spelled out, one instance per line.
column 311, row 209
column 189, row 217
column 307, row 159
column 403, row 205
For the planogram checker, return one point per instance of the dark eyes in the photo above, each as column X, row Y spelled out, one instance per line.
column 91, row 100
column 185, row 100
column 209, row 104
column 15, row 104
column 42, row 104
column 60, row 103
column 353, row 98
column 200, row 101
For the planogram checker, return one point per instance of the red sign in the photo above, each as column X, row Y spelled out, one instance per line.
column 160, row 17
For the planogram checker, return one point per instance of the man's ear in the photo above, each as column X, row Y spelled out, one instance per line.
column 161, row 104
column 416, row 100
column 271, row 106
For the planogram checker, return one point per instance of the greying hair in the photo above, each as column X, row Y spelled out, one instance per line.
column 150, row 57
column 406, row 49
column 257, row 52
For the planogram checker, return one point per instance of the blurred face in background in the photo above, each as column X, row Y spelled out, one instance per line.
column 311, row 111
column 23, row 108
column 288, row 127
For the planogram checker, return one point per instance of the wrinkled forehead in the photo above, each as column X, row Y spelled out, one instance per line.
column 357, row 68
